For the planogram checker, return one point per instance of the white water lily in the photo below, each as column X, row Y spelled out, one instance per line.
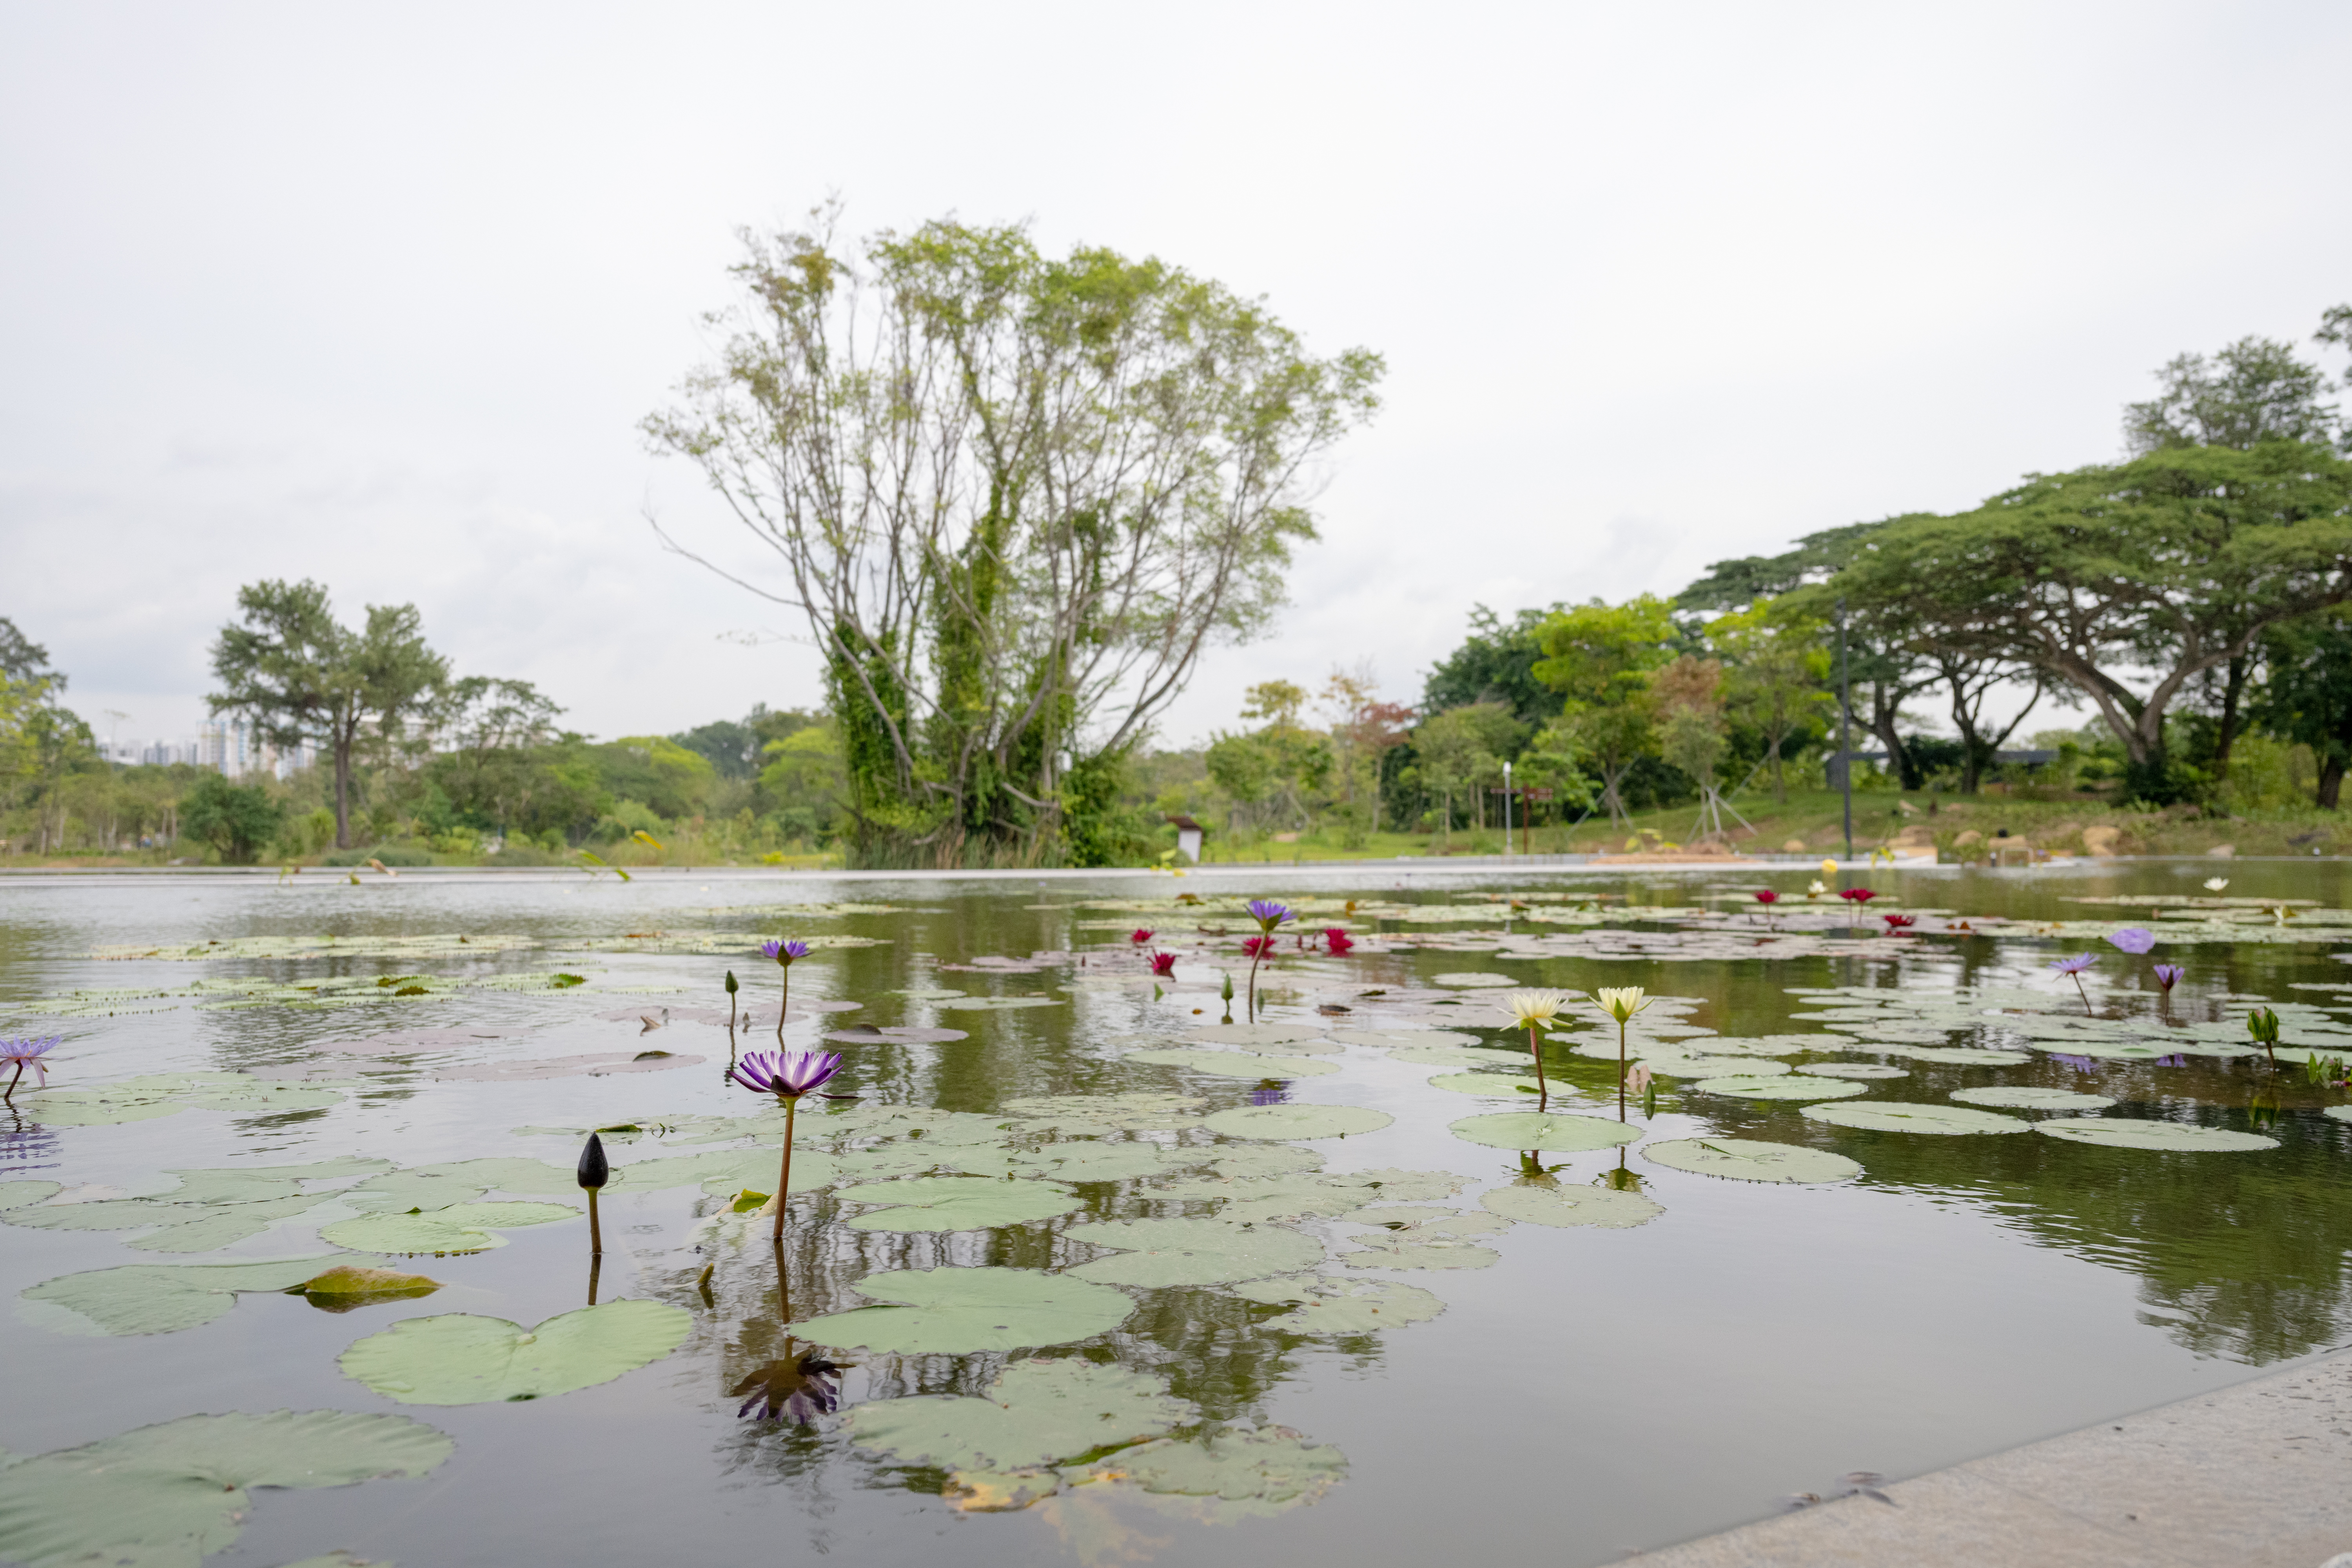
column 1815, row 888
column 1535, row 1009
column 2215, row 884
column 1622, row 1002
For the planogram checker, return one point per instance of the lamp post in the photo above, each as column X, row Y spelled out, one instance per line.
column 1507, row 809
column 1845, row 717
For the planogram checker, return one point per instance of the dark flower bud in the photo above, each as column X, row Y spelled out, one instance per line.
column 595, row 1172
column 731, row 986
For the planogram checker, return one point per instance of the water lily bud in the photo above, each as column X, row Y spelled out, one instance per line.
column 594, row 1171
column 731, row 986
column 1226, row 990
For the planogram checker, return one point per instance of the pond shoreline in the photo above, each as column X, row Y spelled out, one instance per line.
column 2246, row 1476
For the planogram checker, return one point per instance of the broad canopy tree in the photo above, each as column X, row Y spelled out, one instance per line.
column 1014, row 498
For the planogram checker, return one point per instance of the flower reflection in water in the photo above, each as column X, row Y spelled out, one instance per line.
column 1273, row 1091
column 799, row 1388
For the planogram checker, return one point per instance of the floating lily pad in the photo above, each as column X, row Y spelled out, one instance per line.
column 1563, row 1208
column 2021, row 1098
column 1324, row 1304
column 1289, row 1035
column 994, row 1003
column 1409, row 1249
column 170, row 1495
column 1297, row 1121
column 958, row 1202
column 1899, row 1116
column 1279, row 1197
column 1715, row 1067
column 1537, row 1129
column 1403, row 1039
column 897, row 1035
column 1159, row 1252
column 460, row 1359
column 460, row 1227
column 1258, row 1472
column 2141, row 1051
column 1956, row 1056
column 154, row 1297
column 18, row 1194
column 1038, row 1412
column 349, row 1286
column 1076, row 1161
column 596, row 1064
column 1459, row 1056
column 956, row 1311
column 1751, row 1160
column 1492, row 1085
column 1087, row 1114
column 2128, row 1132
column 1236, row 1064
column 2338, row 1112
column 1795, row 1086
column 1855, row 1069
column 1473, row 980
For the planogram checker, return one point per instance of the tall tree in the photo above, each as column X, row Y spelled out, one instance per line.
column 1015, row 499
column 1777, row 678
column 2173, row 563
column 1496, row 663
column 493, row 737
column 2308, row 696
column 2253, row 390
column 1599, row 657
column 300, row 676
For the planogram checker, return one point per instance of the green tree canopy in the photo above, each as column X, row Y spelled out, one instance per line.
column 1599, row 657
column 235, row 820
column 1496, row 663
column 1778, row 679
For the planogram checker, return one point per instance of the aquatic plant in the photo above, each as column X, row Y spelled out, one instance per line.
column 802, row 1387
column 787, row 1075
column 2073, row 967
column 595, row 1172
column 2263, row 1025
column 783, row 953
column 1815, row 888
column 1897, row 924
column 1335, row 942
column 1645, row 1083
column 1139, row 936
column 1268, row 915
column 1163, row 964
column 1531, row 1011
column 2134, row 939
column 1622, row 1002
column 1854, row 899
column 2169, row 976
column 1768, row 898
column 26, row 1053
column 2215, row 884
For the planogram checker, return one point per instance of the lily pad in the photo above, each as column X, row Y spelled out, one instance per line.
column 460, row 1359
column 897, row 1035
column 2020, row 1097
column 1152, row 1253
column 1236, row 1064
column 18, row 1194
column 2337, row 1112
column 2128, row 1132
column 1956, row 1056
column 1409, row 1249
column 1038, row 1412
column 154, row 1297
column 994, row 1003
column 1458, row 1057
column 1254, row 1472
column 1537, row 1129
column 958, row 1202
column 348, row 1286
column 169, row 1496
column 1855, row 1069
column 1715, row 1067
column 1751, row 1160
column 460, row 1227
column 1899, row 1116
column 1324, row 1304
column 1473, row 980
column 956, row 1311
column 1297, row 1121
column 1403, row 1039
column 1235, row 1161
column 1795, row 1086
column 1563, row 1208
column 1492, row 1085
column 1075, row 1162
column 1289, row 1035
column 1281, row 1197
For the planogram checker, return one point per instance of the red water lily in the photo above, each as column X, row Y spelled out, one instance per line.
column 1258, row 946
column 1858, row 895
column 1164, row 965
column 1139, row 937
column 1767, row 896
column 1897, row 924
column 1336, row 941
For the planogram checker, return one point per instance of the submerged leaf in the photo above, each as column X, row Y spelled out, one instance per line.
column 460, row 1359
column 1751, row 1160
column 1262, row 1471
column 956, row 1311
column 1161, row 1252
column 958, row 1202
column 1037, row 1413
column 169, row 1496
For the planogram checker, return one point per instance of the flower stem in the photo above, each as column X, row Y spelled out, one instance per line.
column 1543, row 1089
column 2084, row 994
column 1621, row 1069
column 9, row 1099
column 595, row 1232
column 784, row 1181
column 783, row 1002
column 1254, row 956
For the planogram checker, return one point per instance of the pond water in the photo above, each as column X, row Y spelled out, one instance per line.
column 1352, row 1322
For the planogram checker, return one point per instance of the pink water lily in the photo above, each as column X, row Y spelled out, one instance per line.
column 26, row 1053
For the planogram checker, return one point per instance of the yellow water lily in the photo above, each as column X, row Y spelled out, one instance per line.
column 1535, row 1009
column 1622, row 1002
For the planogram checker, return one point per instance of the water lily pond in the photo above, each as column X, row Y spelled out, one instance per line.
column 1104, row 1265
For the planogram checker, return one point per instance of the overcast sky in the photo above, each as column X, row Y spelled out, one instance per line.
column 377, row 295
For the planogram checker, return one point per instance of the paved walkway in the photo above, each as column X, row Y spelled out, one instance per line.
column 2259, row 1476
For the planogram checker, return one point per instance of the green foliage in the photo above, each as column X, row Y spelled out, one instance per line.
column 1776, row 681
column 1496, row 663
column 2308, row 696
column 1599, row 657
column 2253, row 390
column 801, row 782
column 235, row 820
column 672, row 780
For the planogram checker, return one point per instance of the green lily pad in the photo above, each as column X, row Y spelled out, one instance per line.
column 1751, row 1160
column 956, row 1311
column 1473, row 980
column 154, row 1297
column 1297, row 1038
column 2128, row 1132
column 1262, row 1199
column 1253, row 1472
column 2140, row 1050
column 1089, row 1114
column 958, row 1202
column 1236, row 1064
column 1235, row 1161
column 1537, row 1129
column 1073, row 1161
column 349, row 1286
column 1563, row 1208
column 460, row 1359
column 1795, row 1086
column 994, row 1003
column 460, row 1227
column 170, row 1495
column 1459, row 1056
column 1159, row 1252
column 2337, row 1112
column 2021, row 1098
column 1038, row 1412
column 1954, row 1056
column 1323, row 1304
column 1898, row 1116
column 1492, row 1085
column 1297, row 1121
column 1409, row 1249
column 1403, row 1039
column 1855, row 1069
column 1715, row 1067
column 18, row 1195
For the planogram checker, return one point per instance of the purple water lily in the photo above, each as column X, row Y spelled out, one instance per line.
column 783, row 953
column 1268, row 915
column 2169, row 976
column 787, row 1075
column 2133, row 939
column 2073, row 967
column 26, row 1053
column 799, row 1388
